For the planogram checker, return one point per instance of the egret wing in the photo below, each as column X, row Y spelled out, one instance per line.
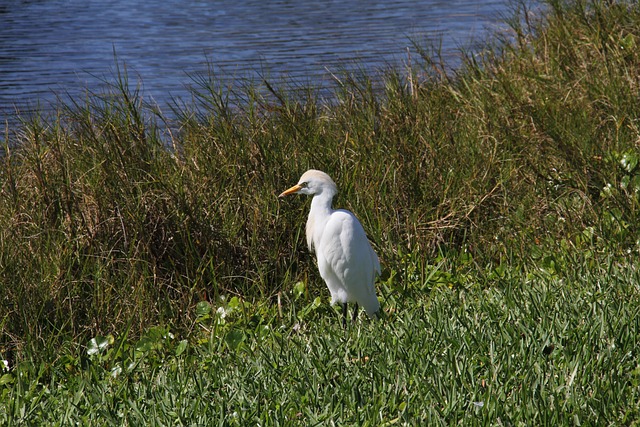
column 348, row 255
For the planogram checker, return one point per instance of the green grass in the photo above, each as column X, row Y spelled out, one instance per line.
column 503, row 201
column 525, row 348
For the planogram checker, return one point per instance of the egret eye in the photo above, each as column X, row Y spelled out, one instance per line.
column 304, row 184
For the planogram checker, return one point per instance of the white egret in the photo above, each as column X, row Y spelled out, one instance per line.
column 346, row 260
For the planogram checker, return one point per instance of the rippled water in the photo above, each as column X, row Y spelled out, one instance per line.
column 63, row 46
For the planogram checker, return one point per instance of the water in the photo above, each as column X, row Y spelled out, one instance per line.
column 61, row 47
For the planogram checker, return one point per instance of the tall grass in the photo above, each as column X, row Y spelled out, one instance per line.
column 112, row 217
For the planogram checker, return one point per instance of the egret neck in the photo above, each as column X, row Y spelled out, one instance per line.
column 318, row 215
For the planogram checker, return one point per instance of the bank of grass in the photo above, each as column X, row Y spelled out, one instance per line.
column 114, row 221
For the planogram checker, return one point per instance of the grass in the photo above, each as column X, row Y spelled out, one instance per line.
column 150, row 273
column 524, row 348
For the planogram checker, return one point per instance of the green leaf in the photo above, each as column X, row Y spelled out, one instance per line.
column 298, row 289
column 153, row 339
column 628, row 42
column 99, row 344
column 233, row 304
column 234, row 338
column 182, row 346
column 629, row 161
column 203, row 308
column 6, row 379
column 634, row 184
column 317, row 302
column 145, row 344
column 624, row 182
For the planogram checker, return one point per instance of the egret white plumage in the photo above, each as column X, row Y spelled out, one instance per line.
column 346, row 260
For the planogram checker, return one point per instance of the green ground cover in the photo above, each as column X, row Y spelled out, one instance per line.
column 151, row 276
column 525, row 348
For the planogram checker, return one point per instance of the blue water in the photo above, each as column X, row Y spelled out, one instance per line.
column 62, row 47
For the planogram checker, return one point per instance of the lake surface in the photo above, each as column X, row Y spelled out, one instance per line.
column 50, row 47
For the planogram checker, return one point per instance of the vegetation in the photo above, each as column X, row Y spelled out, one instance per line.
column 524, row 349
column 152, row 276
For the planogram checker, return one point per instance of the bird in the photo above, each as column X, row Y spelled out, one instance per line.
column 346, row 261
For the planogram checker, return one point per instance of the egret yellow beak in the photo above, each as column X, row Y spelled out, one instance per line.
column 291, row 190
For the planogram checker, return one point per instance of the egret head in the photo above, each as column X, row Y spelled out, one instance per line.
column 313, row 182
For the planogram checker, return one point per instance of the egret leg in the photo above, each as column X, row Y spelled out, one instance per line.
column 344, row 314
column 355, row 312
